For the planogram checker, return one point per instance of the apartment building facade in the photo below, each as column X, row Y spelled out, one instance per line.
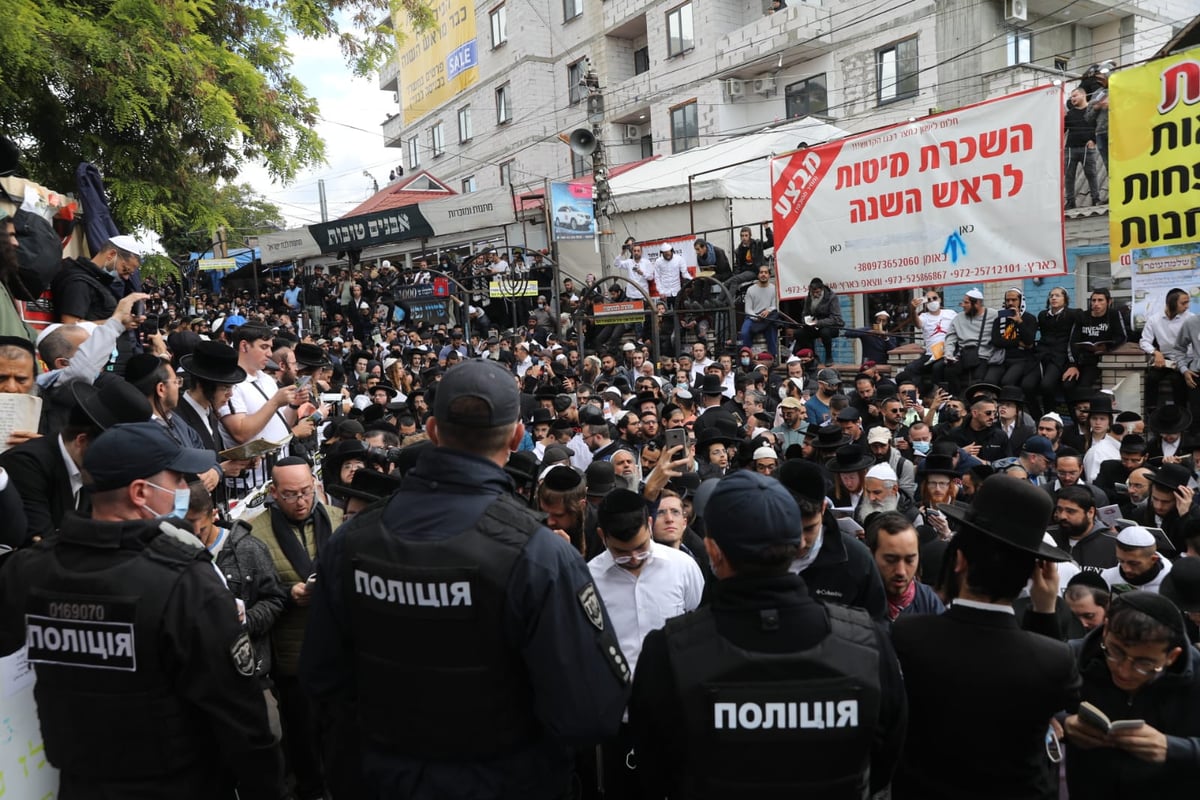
column 676, row 75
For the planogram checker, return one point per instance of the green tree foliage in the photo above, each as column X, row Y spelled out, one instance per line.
column 237, row 207
column 168, row 97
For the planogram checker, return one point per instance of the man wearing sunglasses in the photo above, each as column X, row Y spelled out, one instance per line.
column 1138, row 667
column 980, row 436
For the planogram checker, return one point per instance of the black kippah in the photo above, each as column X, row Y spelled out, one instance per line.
column 621, row 501
column 1158, row 608
column 562, row 479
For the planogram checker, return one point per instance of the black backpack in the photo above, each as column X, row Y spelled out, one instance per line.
column 39, row 253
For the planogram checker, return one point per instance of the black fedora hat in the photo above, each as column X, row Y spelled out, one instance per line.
column 213, row 361
column 1011, row 394
column 937, row 464
column 601, row 478
column 1011, row 511
column 368, row 484
column 1170, row 476
column 523, row 466
column 851, row 458
column 385, row 386
column 541, row 416
column 312, row 355
column 1101, row 404
column 830, row 437
column 1170, row 419
column 116, row 401
column 339, row 454
column 976, row 389
column 714, row 434
column 710, row 384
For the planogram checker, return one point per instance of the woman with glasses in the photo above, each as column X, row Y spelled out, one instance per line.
column 1137, row 668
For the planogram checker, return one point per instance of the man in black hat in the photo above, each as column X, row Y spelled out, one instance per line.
column 1140, row 668
column 1117, row 470
column 727, row 696
column 214, row 371
column 836, row 567
column 1172, row 502
column 448, row 613
column 1168, row 424
column 1013, row 680
column 146, row 679
column 47, row 470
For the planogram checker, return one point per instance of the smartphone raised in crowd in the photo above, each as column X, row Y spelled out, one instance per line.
column 676, row 437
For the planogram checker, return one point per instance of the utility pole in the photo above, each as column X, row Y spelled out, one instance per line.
column 601, row 194
column 324, row 205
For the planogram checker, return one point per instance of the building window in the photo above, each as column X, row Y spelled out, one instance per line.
column 1020, row 47
column 576, row 89
column 468, row 184
column 807, row 97
column 499, row 26
column 1098, row 274
column 464, row 123
column 579, row 165
column 503, row 104
column 679, row 30
column 414, row 153
column 896, row 71
column 437, row 139
column 506, row 173
column 641, row 60
column 647, row 142
column 572, row 9
column 685, row 128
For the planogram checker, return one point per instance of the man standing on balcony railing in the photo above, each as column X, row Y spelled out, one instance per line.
column 1080, row 146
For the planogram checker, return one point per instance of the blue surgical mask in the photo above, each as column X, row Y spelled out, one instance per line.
column 922, row 448
column 183, row 498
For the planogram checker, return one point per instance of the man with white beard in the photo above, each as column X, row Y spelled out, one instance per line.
column 881, row 492
column 625, row 470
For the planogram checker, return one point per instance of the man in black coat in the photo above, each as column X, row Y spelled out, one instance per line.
column 1080, row 531
column 974, row 662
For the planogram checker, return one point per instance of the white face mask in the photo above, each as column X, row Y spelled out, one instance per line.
column 934, row 306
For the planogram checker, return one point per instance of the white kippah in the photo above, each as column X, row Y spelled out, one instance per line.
column 882, row 472
column 1136, row 536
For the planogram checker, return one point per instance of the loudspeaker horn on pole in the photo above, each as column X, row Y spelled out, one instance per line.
column 582, row 142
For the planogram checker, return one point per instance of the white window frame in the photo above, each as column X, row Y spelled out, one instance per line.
column 464, row 124
column 414, row 152
column 437, row 139
column 468, row 184
column 498, row 17
column 887, row 72
column 503, row 104
column 1019, row 47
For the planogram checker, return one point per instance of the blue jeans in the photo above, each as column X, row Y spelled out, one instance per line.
column 771, row 333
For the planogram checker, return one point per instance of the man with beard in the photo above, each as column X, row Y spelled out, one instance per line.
column 879, row 439
column 969, row 341
column 643, row 584
column 1138, row 484
column 1080, row 531
column 980, row 436
column 562, row 497
column 625, row 473
column 881, row 494
column 1068, row 471
column 1117, row 470
column 836, row 567
column 1139, row 564
column 897, row 549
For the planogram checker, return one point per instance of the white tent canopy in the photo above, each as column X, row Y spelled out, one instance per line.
column 664, row 182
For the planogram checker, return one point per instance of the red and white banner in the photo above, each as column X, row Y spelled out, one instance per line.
column 972, row 195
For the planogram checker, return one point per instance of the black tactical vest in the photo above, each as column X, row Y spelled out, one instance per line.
column 106, row 701
column 753, row 717
column 436, row 674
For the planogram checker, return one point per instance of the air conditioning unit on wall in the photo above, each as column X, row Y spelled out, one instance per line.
column 735, row 88
column 764, row 85
column 632, row 133
column 1016, row 10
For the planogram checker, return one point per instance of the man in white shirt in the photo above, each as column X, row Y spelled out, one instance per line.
column 642, row 584
column 700, row 360
column 670, row 271
column 636, row 267
column 257, row 408
column 935, row 323
column 1139, row 564
column 1159, row 333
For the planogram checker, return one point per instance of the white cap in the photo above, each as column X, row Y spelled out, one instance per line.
column 1136, row 536
column 666, row 247
column 89, row 327
column 879, row 435
column 883, row 314
column 128, row 244
column 974, row 294
column 683, row 393
column 612, row 390
column 385, row 264
column 1052, row 415
column 765, row 452
column 882, row 472
column 792, row 359
column 629, row 347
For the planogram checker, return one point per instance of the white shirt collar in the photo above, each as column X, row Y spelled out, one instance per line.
column 72, row 469
column 976, row 604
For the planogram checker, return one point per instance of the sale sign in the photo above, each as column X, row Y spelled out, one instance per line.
column 971, row 195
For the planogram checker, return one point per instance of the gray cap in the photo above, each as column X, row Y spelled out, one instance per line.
column 484, row 380
column 829, row 375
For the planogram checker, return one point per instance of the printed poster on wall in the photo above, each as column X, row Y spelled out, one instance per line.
column 1154, row 179
column 966, row 196
column 439, row 63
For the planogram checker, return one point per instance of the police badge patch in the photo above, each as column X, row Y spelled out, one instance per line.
column 591, row 605
column 243, row 655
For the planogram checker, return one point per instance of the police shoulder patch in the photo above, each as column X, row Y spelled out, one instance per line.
column 591, row 606
column 243, row 655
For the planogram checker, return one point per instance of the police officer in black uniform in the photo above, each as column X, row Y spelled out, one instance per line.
column 765, row 693
column 468, row 635
column 145, row 677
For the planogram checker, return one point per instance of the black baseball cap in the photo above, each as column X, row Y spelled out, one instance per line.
column 482, row 379
column 748, row 512
column 124, row 453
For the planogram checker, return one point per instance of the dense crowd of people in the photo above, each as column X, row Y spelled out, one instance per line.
column 841, row 556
